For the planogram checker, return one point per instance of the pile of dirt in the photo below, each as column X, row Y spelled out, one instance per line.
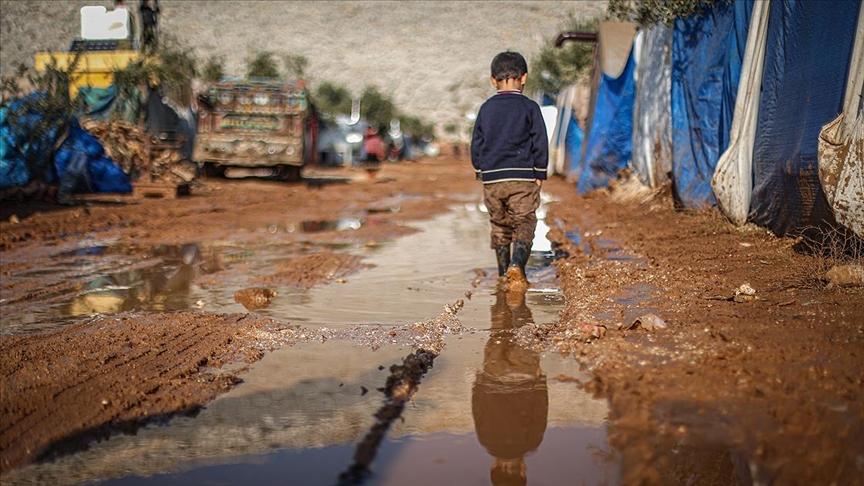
column 752, row 375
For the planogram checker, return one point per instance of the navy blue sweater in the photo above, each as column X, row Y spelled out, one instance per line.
column 509, row 141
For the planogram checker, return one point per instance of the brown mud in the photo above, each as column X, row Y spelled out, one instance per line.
column 728, row 386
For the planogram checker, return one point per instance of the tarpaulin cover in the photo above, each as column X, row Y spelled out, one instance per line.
column 16, row 148
column 652, row 111
column 707, row 49
column 806, row 65
column 573, row 144
column 733, row 176
column 170, row 121
column 104, row 103
column 841, row 146
column 13, row 170
column 610, row 140
column 104, row 175
column 565, row 147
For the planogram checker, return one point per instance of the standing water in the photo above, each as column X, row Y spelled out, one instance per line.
column 487, row 412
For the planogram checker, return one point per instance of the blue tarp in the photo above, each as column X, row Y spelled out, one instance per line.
column 103, row 174
column 16, row 150
column 806, row 66
column 573, row 144
column 707, row 50
column 105, row 103
column 610, row 140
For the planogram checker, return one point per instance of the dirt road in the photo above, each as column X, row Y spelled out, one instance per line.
column 746, row 368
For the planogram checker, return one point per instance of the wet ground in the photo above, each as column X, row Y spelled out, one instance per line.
column 301, row 411
column 268, row 333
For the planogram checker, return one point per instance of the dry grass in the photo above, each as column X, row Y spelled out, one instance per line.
column 826, row 249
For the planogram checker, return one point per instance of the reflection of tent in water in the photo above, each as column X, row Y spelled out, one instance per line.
column 738, row 106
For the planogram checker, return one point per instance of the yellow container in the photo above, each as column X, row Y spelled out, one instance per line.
column 95, row 68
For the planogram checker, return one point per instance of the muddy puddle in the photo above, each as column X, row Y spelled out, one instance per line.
column 487, row 412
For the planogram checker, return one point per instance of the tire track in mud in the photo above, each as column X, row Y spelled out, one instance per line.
column 66, row 388
column 92, row 394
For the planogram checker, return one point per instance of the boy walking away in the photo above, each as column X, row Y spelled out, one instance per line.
column 509, row 152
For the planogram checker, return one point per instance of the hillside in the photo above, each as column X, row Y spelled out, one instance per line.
column 431, row 57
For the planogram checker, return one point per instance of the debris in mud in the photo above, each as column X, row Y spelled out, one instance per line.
column 254, row 298
column 648, row 322
column 745, row 289
column 427, row 335
column 744, row 293
column 401, row 385
column 592, row 331
column 139, row 153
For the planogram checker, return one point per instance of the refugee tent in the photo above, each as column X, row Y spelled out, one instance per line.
column 652, row 109
column 841, row 146
column 608, row 141
column 733, row 178
column 565, row 147
column 707, row 49
column 807, row 58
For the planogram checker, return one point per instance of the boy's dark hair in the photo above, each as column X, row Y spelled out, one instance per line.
column 508, row 65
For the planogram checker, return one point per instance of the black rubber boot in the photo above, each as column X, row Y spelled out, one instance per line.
column 516, row 270
column 502, row 253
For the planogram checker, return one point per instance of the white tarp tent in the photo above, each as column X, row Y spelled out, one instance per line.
column 652, row 110
column 732, row 182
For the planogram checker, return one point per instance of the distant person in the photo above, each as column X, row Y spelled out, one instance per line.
column 373, row 145
column 149, row 11
column 509, row 152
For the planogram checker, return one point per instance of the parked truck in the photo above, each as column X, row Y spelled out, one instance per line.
column 256, row 127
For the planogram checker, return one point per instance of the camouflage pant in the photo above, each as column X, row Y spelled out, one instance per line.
column 512, row 206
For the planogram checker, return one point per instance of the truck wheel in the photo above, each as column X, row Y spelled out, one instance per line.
column 288, row 173
column 213, row 171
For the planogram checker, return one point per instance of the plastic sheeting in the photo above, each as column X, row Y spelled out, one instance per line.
column 104, row 103
column 22, row 146
column 608, row 138
column 707, row 50
column 806, row 63
column 733, row 177
column 841, row 146
column 558, row 137
column 652, row 111
column 103, row 175
column 77, row 144
column 574, row 139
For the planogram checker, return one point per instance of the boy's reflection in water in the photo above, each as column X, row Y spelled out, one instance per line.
column 509, row 399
